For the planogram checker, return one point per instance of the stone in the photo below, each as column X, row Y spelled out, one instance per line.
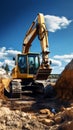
column 48, row 122
column 45, row 111
column 67, row 126
column 58, row 119
column 62, row 108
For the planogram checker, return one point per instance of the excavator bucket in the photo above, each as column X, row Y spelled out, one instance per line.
column 43, row 73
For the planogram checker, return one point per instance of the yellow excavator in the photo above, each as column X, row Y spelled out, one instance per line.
column 28, row 69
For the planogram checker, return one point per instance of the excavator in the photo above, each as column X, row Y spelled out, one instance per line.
column 30, row 70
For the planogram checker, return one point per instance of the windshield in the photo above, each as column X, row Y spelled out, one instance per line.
column 28, row 63
column 22, row 63
column 33, row 61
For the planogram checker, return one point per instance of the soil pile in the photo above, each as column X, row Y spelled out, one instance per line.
column 32, row 115
column 64, row 85
column 1, row 89
column 4, row 84
column 17, row 120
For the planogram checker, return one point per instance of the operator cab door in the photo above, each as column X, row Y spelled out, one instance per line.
column 22, row 63
column 28, row 64
column 33, row 63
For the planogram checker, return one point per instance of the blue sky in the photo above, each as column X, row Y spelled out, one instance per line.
column 16, row 17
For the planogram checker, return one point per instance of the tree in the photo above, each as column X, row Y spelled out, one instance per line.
column 6, row 68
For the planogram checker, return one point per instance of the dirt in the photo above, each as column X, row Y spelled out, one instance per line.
column 35, row 112
column 40, row 112
column 64, row 85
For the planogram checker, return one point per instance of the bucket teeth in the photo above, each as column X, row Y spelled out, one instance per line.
column 43, row 74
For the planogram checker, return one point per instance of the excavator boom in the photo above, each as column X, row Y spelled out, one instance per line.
column 38, row 28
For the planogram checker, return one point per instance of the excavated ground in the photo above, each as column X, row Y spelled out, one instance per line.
column 36, row 112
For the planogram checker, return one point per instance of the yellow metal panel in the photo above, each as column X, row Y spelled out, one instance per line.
column 16, row 74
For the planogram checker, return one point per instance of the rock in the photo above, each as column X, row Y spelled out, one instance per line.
column 45, row 111
column 26, row 127
column 34, row 117
column 5, row 110
column 67, row 126
column 62, row 108
column 48, row 122
column 58, row 119
column 23, row 114
column 63, row 117
column 55, row 127
column 69, row 113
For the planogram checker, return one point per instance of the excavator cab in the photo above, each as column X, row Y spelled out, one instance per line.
column 28, row 63
column 26, row 66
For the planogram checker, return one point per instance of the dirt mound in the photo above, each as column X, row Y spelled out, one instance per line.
column 4, row 84
column 64, row 85
column 1, row 89
column 15, row 116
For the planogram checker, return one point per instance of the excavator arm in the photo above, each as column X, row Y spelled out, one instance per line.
column 40, row 71
column 38, row 28
column 30, row 36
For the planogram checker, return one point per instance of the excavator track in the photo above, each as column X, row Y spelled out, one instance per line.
column 19, row 88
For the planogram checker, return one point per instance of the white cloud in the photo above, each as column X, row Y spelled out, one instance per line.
column 2, row 71
column 1, row 63
column 12, row 52
column 60, row 61
column 66, row 58
column 4, row 53
column 57, row 69
column 3, row 49
column 6, row 56
column 56, row 66
column 55, row 23
column 56, row 62
column 9, row 62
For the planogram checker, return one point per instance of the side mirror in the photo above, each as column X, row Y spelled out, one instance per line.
column 50, row 62
column 13, row 58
